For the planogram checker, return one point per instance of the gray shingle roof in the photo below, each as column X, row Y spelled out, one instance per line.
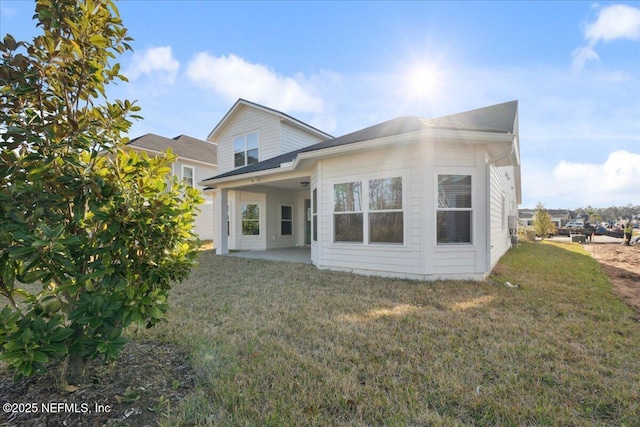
column 183, row 146
column 499, row 118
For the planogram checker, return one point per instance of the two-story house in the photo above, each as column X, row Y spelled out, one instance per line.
column 262, row 217
column 410, row 197
column 196, row 160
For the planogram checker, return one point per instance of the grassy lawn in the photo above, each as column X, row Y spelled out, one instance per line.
column 285, row 344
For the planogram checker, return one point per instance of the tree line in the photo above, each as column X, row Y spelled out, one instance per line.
column 612, row 213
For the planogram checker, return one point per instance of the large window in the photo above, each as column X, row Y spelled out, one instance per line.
column 245, row 149
column 381, row 214
column 286, row 220
column 250, row 220
column 454, row 209
column 386, row 224
column 347, row 217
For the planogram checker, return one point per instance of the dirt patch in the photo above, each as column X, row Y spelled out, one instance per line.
column 622, row 264
column 146, row 381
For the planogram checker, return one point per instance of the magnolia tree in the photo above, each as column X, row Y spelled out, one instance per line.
column 92, row 235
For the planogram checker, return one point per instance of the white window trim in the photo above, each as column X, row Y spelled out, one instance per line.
column 472, row 209
column 244, row 137
column 364, row 180
column 259, row 220
column 192, row 177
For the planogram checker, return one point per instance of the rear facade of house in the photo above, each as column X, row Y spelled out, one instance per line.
column 417, row 198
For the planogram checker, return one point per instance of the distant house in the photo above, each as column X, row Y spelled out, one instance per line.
column 196, row 160
column 559, row 217
column 410, row 197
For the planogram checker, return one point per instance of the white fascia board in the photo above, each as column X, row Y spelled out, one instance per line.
column 462, row 136
column 255, row 178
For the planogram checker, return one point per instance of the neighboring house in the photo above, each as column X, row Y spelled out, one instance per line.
column 410, row 197
column 578, row 219
column 196, row 160
column 558, row 216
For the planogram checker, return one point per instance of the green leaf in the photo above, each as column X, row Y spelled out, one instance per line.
column 40, row 357
column 18, row 252
column 10, row 42
column 61, row 334
column 98, row 40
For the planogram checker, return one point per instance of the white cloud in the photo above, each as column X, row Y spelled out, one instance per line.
column 614, row 22
column 233, row 77
column 617, row 21
column 616, row 182
column 157, row 62
column 8, row 11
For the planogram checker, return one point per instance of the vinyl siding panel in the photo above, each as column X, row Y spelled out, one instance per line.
column 374, row 258
column 454, row 260
column 250, row 243
column 459, row 260
column 456, row 155
column 294, row 139
column 275, row 200
column 204, row 223
column 248, row 120
column 502, row 204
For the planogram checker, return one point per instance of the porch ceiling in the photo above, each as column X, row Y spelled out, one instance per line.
column 290, row 184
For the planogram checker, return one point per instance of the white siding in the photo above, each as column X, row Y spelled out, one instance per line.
column 458, row 260
column 501, row 195
column 248, row 120
column 249, row 243
column 456, row 155
column 276, row 199
column 204, row 224
column 404, row 259
column 294, row 139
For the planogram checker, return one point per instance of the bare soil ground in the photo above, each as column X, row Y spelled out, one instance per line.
column 147, row 381
column 622, row 264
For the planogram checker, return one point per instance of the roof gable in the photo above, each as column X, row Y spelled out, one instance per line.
column 499, row 118
column 183, row 146
column 282, row 116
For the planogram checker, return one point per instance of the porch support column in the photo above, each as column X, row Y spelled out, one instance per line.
column 222, row 240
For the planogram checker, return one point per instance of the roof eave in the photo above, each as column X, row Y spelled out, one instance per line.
column 149, row 150
column 304, row 157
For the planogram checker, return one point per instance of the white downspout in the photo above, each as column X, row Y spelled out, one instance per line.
column 487, row 174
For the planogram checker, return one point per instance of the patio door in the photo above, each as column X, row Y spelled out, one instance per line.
column 307, row 221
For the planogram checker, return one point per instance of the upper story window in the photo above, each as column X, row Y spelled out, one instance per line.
column 245, row 149
column 454, row 209
column 187, row 175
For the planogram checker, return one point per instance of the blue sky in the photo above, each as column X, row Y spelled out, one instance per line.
column 343, row 66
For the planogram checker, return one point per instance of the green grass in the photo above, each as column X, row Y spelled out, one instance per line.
column 281, row 344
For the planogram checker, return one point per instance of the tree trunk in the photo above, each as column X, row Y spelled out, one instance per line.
column 72, row 371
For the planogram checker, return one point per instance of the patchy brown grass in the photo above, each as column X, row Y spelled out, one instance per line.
column 285, row 344
column 275, row 344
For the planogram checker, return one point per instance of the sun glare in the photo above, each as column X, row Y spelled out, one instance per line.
column 423, row 82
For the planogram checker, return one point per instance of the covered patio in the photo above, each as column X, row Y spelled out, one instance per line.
column 299, row 254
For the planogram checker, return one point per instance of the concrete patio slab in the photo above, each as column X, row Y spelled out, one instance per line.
column 301, row 255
